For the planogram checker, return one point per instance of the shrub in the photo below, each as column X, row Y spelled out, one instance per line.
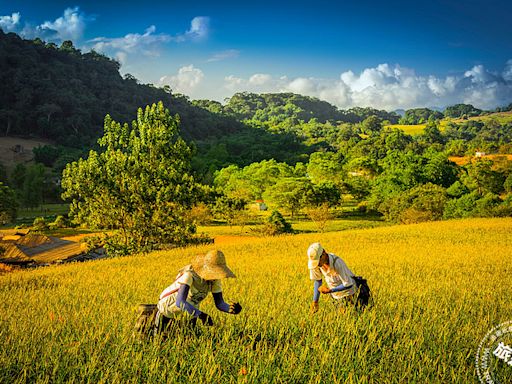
column 60, row 222
column 461, row 207
column 201, row 214
column 427, row 198
column 39, row 224
column 413, row 215
column 277, row 225
column 485, row 207
column 320, row 215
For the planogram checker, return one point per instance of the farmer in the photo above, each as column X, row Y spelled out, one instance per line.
column 191, row 286
column 341, row 282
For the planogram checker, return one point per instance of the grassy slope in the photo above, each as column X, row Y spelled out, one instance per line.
column 9, row 158
column 438, row 288
column 501, row 117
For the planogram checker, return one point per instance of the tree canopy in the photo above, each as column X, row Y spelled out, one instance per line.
column 139, row 184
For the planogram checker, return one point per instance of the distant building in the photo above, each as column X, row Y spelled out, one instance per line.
column 480, row 154
column 260, row 205
column 18, row 148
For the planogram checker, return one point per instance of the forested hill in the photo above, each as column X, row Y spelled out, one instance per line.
column 275, row 108
column 62, row 94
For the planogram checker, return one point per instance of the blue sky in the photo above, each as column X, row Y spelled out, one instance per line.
column 387, row 55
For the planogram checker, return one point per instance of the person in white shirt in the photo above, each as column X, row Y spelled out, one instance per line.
column 192, row 285
column 340, row 280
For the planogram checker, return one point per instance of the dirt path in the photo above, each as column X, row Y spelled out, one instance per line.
column 14, row 150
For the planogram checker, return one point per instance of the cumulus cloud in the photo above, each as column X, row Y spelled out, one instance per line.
column 260, row 79
column 224, row 55
column 185, row 81
column 391, row 87
column 70, row 26
column 10, row 23
column 146, row 43
column 199, row 29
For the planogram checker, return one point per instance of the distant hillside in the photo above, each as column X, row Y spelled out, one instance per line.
column 279, row 107
column 62, row 94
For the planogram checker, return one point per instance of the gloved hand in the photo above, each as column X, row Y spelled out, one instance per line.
column 206, row 319
column 324, row 290
column 314, row 307
column 235, row 308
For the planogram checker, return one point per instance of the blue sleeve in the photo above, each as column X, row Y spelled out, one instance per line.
column 340, row 288
column 316, row 293
column 220, row 303
column 181, row 301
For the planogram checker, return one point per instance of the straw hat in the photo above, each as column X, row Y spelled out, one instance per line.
column 212, row 266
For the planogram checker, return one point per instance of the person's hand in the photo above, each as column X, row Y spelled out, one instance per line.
column 314, row 307
column 235, row 308
column 324, row 290
column 206, row 319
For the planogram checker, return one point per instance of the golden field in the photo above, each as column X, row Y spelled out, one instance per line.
column 438, row 288
column 417, row 129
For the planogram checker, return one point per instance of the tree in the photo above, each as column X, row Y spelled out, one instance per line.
column 140, row 184
column 289, row 193
column 422, row 203
column 18, row 175
column 459, row 110
column 320, row 215
column 3, row 174
column 8, row 204
column 372, row 124
column 277, row 224
column 33, row 186
column 482, row 178
column 324, row 166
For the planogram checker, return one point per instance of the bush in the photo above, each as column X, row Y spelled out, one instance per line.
column 94, row 242
column 60, row 222
column 426, row 201
column 461, row 207
column 505, row 208
column 39, row 224
column 277, row 225
column 413, row 215
column 201, row 214
column 486, row 206
column 320, row 215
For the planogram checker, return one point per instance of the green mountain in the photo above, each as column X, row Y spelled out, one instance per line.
column 62, row 94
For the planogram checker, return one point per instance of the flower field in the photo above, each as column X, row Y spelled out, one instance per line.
column 438, row 288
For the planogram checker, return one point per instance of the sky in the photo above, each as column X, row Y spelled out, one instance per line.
column 383, row 54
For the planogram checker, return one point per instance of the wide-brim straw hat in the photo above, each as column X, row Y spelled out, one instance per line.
column 212, row 266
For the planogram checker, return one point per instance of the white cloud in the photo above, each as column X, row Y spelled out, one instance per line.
column 391, row 87
column 224, row 55
column 185, row 81
column 147, row 43
column 260, row 79
column 199, row 28
column 507, row 72
column 70, row 26
column 10, row 23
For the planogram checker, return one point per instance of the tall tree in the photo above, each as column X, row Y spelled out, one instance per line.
column 139, row 184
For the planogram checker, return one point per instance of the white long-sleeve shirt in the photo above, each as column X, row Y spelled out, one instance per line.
column 336, row 273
